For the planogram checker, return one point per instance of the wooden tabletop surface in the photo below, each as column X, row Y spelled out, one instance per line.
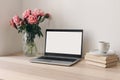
column 18, row 67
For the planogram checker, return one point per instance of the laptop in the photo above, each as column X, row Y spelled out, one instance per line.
column 62, row 47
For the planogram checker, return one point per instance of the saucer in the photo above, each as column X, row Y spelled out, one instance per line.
column 97, row 52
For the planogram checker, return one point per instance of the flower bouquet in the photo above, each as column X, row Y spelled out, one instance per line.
column 29, row 26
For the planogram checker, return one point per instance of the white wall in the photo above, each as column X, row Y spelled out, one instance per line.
column 10, row 41
column 100, row 19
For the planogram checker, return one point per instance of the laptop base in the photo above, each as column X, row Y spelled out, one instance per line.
column 55, row 61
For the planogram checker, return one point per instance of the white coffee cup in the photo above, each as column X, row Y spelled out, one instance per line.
column 103, row 46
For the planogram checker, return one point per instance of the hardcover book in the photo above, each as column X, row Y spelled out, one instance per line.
column 101, row 57
column 102, row 65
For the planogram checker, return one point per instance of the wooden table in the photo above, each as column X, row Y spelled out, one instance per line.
column 18, row 67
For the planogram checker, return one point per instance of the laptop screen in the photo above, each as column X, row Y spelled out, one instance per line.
column 64, row 41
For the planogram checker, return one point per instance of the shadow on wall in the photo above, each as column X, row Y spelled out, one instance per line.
column 86, row 43
column 11, row 41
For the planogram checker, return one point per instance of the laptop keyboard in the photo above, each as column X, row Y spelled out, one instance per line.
column 63, row 61
column 57, row 59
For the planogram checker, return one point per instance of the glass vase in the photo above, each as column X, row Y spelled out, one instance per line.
column 29, row 48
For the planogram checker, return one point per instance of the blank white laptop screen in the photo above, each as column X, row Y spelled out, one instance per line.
column 64, row 42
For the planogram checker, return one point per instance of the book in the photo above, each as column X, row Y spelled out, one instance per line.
column 101, row 61
column 101, row 65
column 101, row 57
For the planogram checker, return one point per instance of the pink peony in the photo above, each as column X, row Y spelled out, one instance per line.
column 12, row 23
column 42, row 13
column 26, row 13
column 21, row 23
column 38, row 12
column 16, row 20
column 32, row 19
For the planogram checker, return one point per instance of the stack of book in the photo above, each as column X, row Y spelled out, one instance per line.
column 101, row 60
